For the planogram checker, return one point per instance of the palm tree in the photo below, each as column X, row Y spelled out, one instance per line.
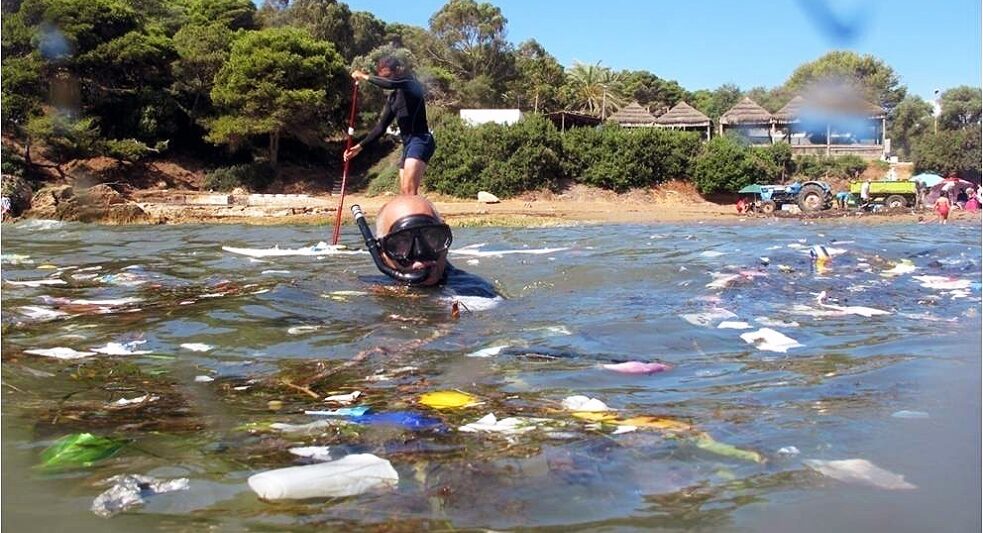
column 596, row 89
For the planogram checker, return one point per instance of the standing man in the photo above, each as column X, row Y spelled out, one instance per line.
column 406, row 105
column 865, row 194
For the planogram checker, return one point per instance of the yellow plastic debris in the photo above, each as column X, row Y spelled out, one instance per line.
column 595, row 416
column 447, row 399
column 47, row 267
column 667, row 424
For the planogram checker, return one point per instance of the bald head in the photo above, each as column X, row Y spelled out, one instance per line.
column 400, row 207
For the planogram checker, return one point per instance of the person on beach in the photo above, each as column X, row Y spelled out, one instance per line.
column 865, row 194
column 942, row 205
column 412, row 248
column 973, row 203
column 406, row 106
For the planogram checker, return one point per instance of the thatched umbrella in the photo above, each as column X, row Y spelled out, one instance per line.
column 745, row 112
column 684, row 116
column 633, row 115
column 791, row 111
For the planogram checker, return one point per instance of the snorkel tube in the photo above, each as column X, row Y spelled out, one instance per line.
column 410, row 278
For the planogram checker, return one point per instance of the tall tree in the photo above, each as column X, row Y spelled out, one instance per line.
column 473, row 46
column 202, row 50
column 912, row 117
column 652, row 91
column 540, row 78
column 277, row 82
column 961, row 107
column 595, row 89
column 326, row 20
column 717, row 102
column 874, row 79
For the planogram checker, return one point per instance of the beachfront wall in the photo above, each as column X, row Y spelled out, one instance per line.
column 684, row 117
column 853, row 127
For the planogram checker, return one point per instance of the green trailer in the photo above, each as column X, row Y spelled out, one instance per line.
column 889, row 193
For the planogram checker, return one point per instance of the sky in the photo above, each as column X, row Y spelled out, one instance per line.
column 702, row 44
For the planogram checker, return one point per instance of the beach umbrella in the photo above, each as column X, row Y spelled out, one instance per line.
column 750, row 189
column 927, row 179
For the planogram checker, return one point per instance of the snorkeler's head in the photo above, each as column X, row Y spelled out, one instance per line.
column 412, row 237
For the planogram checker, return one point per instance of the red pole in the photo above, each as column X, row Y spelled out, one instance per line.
column 344, row 171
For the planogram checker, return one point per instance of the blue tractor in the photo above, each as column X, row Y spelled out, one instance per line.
column 809, row 196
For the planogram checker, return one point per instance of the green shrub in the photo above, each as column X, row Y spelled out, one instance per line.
column 253, row 177
column 818, row 167
column 949, row 151
column 12, row 164
column 726, row 164
column 622, row 158
column 503, row 160
column 386, row 180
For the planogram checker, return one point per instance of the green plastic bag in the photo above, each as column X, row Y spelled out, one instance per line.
column 79, row 450
column 706, row 442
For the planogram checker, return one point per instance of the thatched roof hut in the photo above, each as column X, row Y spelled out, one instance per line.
column 791, row 111
column 633, row 115
column 747, row 111
column 828, row 105
column 683, row 115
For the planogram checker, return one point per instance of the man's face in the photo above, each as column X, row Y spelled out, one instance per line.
column 383, row 71
column 417, row 242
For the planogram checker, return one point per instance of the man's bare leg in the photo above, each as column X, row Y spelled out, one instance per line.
column 410, row 176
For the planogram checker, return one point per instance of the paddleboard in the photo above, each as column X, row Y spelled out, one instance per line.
column 320, row 249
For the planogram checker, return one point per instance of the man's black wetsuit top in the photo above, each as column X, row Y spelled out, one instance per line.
column 466, row 284
column 405, row 104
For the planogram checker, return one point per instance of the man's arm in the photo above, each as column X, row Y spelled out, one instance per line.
column 388, row 83
column 380, row 127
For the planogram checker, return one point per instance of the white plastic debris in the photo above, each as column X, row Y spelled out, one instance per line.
column 788, row 451
column 122, row 348
column 508, row 426
column 488, row 352
column 770, row 340
column 904, row 267
column 584, row 404
column 711, row 253
column 475, row 250
column 348, row 476
column 59, row 353
column 344, row 398
column 733, row 324
column 318, row 453
column 624, row 429
column 197, row 347
column 909, row 414
column 942, row 282
column 129, row 490
column 203, row 379
column 124, row 402
column 859, row 471
column 705, row 319
column 297, row 330
column 41, row 313
column 37, row 282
